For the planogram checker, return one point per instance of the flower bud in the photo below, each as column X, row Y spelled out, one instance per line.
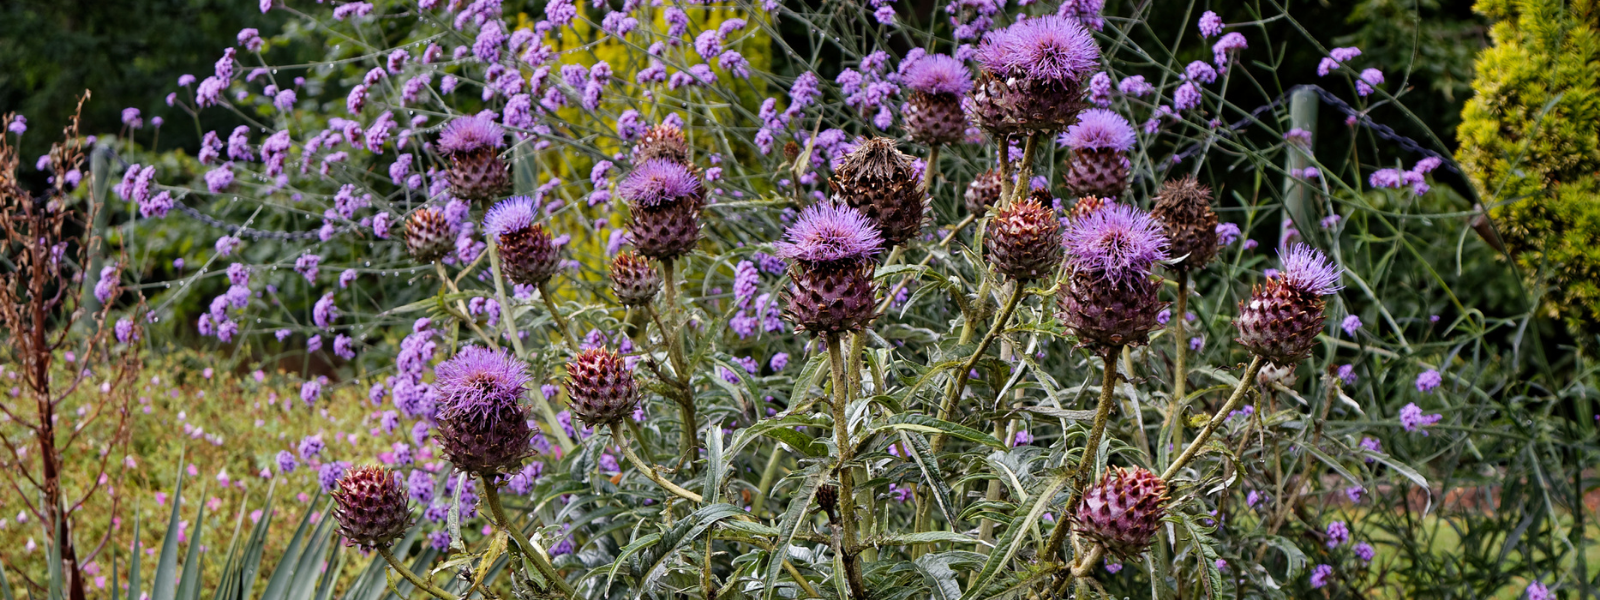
column 601, row 387
column 634, row 280
column 371, row 507
column 882, row 183
column 472, row 144
column 1123, row 511
column 1024, row 240
column 1184, row 208
column 429, row 236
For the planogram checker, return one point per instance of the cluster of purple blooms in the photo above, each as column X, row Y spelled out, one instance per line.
column 1414, row 177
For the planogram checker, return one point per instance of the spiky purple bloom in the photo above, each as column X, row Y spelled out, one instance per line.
column 657, row 182
column 1048, row 48
column 1307, row 270
column 511, row 214
column 937, row 74
column 828, row 232
column 468, row 134
column 477, row 380
column 1100, row 129
column 1116, row 242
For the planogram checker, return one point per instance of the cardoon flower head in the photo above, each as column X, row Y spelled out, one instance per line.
column 933, row 111
column 601, row 386
column 529, row 254
column 830, row 233
column 1281, row 319
column 662, row 141
column 1122, row 512
column 1184, row 208
column 371, row 507
column 882, row 182
column 983, row 192
column 937, row 74
column 1111, row 300
column 1098, row 165
column 472, row 144
column 483, row 428
column 634, row 280
column 1034, row 73
column 429, row 234
column 1024, row 240
column 1047, row 48
column 1117, row 242
column 657, row 182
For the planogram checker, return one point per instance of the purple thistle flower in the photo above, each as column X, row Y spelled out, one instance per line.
column 1115, row 242
column 468, row 134
column 1307, row 271
column 1049, row 48
column 828, row 232
column 657, row 182
column 511, row 214
column 1100, row 129
column 937, row 74
column 477, row 379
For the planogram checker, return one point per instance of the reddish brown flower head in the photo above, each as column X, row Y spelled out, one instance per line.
column 1123, row 511
column 1281, row 319
column 528, row 254
column 472, row 144
column 983, row 192
column 881, row 182
column 429, row 236
column 1024, row 240
column 371, row 507
column 831, row 298
column 663, row 141
column 1184, row 208
column 634, row 280
column 601, row 387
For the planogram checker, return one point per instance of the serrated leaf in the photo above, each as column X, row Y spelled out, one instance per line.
column 1007, row 546
column 628, row 552
column 919, row 452
column 939, row 570
column 927, row 424
column 799, row 505
column 926, row 537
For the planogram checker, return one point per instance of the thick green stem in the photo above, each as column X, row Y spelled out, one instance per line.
column 534, row 553
column 768, row 475
column 1024, row 172
column 930, row 169
column 847, row 500
column 413, row 578
column 1193, row 448
column 1091, row 448
column 688, row 444
column 561, row 322
column 461, row 313
column 649, row 471
column 508, row 318
column 1180, row 373
column 948, row 407
column 904, row 281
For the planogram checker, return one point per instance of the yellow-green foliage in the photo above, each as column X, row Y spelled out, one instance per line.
column 1529, row 144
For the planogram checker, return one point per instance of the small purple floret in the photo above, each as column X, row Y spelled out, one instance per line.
column 938, row 74
column 1100, row 129
column 1307, row 270
column 828, row 232
column 1116, row 242
column 658, row 181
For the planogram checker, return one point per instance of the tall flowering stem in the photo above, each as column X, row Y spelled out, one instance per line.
column 1221, row 415
column 841, row 435
column 688, row 444
column 649, row 471
column 1091, row 447
column 1180, row 372
column 492, row 496
column 460, row 312
column 545, row 409
column 948, row 407
column 420, row 583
